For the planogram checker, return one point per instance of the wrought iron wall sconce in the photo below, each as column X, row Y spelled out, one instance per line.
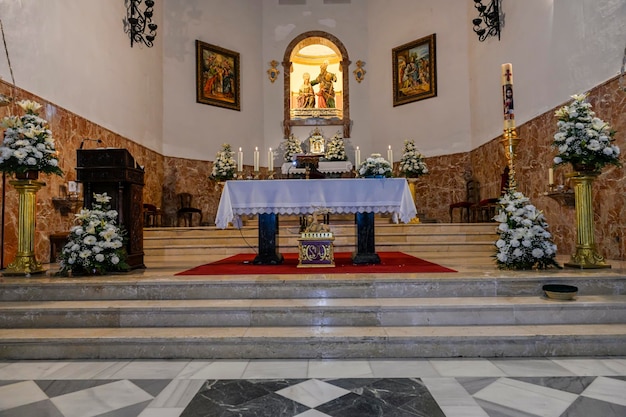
column 489, row 16
column 273, row 72
column 359, row 73
column 138, row 24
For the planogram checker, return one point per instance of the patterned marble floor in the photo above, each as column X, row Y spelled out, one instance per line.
column 547, row 387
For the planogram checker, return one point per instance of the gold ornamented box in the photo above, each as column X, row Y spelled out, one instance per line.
column 316, row 250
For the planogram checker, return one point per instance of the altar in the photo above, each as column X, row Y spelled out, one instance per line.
column 363, row 197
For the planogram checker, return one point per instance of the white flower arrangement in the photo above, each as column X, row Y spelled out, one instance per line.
column 412, row 163
column 583, row 138
column 524, row 241
column 335, row 149
column 292, row 147
column 375, row 166
column 96, row 243
column 28, row 144
column 224, row 166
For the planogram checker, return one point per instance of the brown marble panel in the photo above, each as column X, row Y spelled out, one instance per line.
column 167, row 176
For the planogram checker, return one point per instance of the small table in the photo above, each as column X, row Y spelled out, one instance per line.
column 268, row 198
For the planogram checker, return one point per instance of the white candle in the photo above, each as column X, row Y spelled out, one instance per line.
column 507, row 96
column 240, row 160
column 256, row 159
column 270, row 160
column 357, row 157
column 390, row 155
column 550, row 176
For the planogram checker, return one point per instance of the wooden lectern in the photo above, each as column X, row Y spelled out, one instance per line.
column 114, row 171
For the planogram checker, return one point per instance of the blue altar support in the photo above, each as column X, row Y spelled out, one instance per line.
column 268, row 199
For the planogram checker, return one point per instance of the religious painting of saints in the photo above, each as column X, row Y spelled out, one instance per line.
column 217, row 76
column 414, row 71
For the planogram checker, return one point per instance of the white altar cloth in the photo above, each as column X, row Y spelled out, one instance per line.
column 325, row 167
column 298, row 196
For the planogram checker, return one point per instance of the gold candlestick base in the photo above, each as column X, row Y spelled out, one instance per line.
column 25, row 262
column 510, row 142
column 411, row 181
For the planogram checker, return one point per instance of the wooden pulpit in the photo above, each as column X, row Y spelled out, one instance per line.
column 114, row 171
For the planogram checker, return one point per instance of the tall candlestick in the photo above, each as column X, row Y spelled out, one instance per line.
column 270, row 160
column 550, row 176
column 390, row 155
column 240, row 160
column 507, row 96
column 256, row 159
column 357, row 157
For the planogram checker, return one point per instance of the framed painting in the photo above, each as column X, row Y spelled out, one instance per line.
column 414, row 71
column 217, row 76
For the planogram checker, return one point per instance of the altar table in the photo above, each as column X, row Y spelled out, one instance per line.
column 269, row 198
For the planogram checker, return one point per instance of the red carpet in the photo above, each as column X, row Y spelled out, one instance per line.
column 390, row 262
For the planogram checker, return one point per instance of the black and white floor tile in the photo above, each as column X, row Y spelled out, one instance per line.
column 546, row 387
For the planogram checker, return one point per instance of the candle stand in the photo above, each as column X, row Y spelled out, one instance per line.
column 25, row 262
column 412, row 181
column 510, row 142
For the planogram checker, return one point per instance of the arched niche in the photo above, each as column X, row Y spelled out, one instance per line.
column 306, row 53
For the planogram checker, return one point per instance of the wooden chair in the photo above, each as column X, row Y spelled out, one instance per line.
column 186, row 211
column 152, row 216
column 466, row 206
column 487, row 207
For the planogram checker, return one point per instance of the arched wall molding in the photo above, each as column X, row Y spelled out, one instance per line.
column 326, row 39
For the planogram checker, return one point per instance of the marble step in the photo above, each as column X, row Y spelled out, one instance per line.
column 314, row 342
column 309, row 284
column 450, row 311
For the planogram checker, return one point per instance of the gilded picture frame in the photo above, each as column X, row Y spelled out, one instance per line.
column 414, row 69
column 217, row 76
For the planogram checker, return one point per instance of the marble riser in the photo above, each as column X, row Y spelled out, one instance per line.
column 292, row 247
column 385, row 228
column 256, row 287
column 272, row 313
column 401, row 342
column 292, row 239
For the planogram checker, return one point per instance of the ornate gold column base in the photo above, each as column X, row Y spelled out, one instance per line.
column 25, row 262
column 585, row 256
column 411, row 181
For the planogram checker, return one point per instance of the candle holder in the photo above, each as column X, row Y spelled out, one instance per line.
column 256, row 175
column 239, row 175
column 510, row 142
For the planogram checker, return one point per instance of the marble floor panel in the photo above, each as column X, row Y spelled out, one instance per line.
column 550, row 387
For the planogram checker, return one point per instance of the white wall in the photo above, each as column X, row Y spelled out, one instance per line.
column 76, row 55
column 557, row 48
column 283, row 23
column 194, row 130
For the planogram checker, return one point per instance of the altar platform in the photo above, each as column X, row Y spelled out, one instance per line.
column 479, row 311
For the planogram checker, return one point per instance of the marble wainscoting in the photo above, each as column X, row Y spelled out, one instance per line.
column 68, row 130
column 167, row 176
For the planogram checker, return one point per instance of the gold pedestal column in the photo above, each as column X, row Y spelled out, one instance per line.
column 510, row 142
column 25, row 262
column 411, row 181
column 585, row 256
